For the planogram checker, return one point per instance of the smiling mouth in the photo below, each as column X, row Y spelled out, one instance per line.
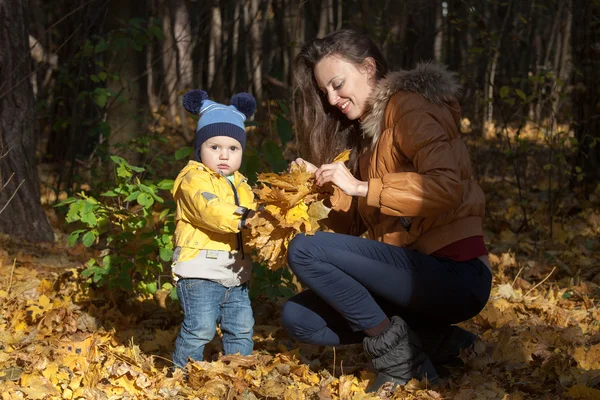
column 344, row 106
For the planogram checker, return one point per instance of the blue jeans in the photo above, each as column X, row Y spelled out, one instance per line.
column 355, row 283
column 206, row 303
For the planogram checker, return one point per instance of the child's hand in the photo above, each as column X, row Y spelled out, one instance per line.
column 251, row 214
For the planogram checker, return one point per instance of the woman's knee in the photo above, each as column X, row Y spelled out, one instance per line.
column 302, row 252
column 296, row 322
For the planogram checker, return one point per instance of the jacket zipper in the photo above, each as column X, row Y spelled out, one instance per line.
column 240, row 244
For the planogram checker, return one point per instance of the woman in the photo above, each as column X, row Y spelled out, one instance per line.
column 423, row 265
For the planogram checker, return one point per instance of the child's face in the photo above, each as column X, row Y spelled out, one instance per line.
column 221, row 154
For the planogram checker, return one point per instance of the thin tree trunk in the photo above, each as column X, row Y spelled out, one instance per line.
column 153, row 102
column 185, row 74
column 127, row 118
column 21, row 211
column 492, row 74
column 586, row 95
column 339, row 19
column 183, row 36
column 215, row 49
column 439, row 34
column 563, row 64
column 255, row 50
column 235, row 39
column 169, row 59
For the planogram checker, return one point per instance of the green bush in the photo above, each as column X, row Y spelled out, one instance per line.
column 133, row 228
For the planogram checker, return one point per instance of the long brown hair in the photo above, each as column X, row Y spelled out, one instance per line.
column 322, row 130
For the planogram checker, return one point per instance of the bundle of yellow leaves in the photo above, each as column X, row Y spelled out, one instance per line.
column 292, row 203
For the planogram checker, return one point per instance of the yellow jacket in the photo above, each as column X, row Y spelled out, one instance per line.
column 208, row 214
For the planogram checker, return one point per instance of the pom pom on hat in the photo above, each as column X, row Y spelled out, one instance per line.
column 192, row 100
column 245, row 103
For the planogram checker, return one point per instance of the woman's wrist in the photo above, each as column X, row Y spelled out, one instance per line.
column 362, row 188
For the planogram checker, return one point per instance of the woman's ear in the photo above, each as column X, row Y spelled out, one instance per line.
column 370, row 66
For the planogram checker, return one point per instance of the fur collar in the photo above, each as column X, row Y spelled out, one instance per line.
column 431, row 80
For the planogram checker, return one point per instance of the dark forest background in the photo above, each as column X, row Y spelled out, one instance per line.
column 80, row 81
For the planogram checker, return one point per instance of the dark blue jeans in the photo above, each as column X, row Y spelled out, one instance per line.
column 355, row 283
column 206, row 303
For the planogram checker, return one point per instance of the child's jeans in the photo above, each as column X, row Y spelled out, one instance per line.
column 206, row 303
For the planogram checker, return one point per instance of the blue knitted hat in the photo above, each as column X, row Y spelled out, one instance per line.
column 218, row 119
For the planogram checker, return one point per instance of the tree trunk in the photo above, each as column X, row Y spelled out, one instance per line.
column 493, row 65
column 153, row 102
column 255, row 48
column 562, row 64
column 439, row 34
column 21, row 211
column 183, row 36
column 585, row 41
column 128, row 116
column 169, row 59
column 235, row 40
column 215, row 51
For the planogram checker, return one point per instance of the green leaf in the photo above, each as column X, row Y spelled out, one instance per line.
column 102, row 76
column 101, row 46
column 504, row 92
column 166, row 239
column 284, row 108
column 67, row 201
column 165, row 184
column 118, row 160
column 521, row 94
column 151, row 287
column 163, row 214
column 109, row 193
column 89, row 238
column 74, row 213
column 157, row 198
column 89, row 219
column 73, row 236
column 274, row 156
column 173, row 294
column 183, row 153
column 157, row 32
column 132, row 196
column 137, row 169
column 145, row 200
column 165, row 254
column 284, row 129
column 100, row 98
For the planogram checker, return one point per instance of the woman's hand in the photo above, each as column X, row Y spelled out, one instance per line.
column 309, row 166
column 339, row 175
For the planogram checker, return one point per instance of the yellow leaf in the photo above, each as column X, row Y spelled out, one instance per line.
column 588, row 359
column 581, row 392
column 50, row 370
column 126, row 383
column 297, row 213
column 343, row 156
column 37, row 387
column 75, row 382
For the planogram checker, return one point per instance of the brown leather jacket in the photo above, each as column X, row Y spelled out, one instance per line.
column 421, row 193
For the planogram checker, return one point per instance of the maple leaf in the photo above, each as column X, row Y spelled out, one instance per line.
column 292, row 203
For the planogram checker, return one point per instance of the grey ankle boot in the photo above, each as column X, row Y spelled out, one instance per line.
column 443, row 345
column 397, row 356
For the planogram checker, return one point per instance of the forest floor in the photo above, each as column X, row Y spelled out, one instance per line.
column 540, row 331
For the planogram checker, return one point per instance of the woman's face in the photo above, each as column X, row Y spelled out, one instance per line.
column 346, row 85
